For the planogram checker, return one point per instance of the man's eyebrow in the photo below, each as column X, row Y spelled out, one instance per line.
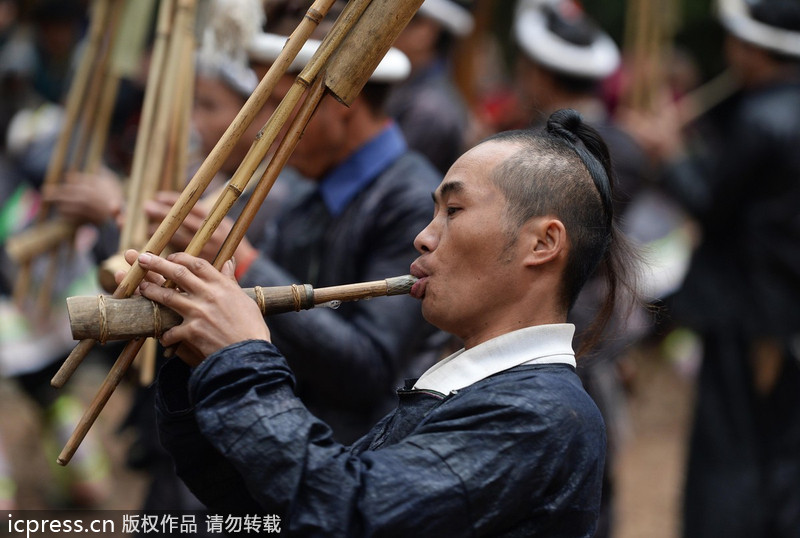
column 447, row 188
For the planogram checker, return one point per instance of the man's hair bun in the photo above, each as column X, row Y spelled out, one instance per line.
column 565, row 123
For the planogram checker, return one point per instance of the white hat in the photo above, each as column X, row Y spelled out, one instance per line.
column 228, row 25
column 453, row 17
column 534, row 35
column 736, row 18
column 265, row 48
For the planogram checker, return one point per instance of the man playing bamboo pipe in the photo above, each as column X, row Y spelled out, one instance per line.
column 497, row 439
column 358, row 224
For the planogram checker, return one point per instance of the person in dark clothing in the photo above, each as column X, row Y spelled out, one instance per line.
column 498, row 439
column 742, row 185
column 428, row 107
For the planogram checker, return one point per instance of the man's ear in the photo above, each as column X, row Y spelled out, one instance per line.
column 547, row 240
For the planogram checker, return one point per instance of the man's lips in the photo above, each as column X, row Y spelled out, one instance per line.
column 418, row 289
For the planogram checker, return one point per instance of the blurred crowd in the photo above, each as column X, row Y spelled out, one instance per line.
column 708, row 184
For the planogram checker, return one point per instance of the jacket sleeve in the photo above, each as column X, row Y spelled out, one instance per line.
column 445, row 479
column 212, row 478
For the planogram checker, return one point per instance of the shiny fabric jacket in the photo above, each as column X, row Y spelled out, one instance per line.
column 517, row 454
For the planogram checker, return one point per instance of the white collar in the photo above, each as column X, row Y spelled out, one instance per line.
column 541, row 344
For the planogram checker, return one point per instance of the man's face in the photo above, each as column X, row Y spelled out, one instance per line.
column 468, row 268
column 215, row 107
column 324, row 140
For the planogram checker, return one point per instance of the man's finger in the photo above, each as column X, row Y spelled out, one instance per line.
column 181, row 268
column 169, row 297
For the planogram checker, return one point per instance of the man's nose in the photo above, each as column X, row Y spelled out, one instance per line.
column 426, row 239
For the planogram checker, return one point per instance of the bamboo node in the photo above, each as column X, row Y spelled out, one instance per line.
column 298, row 300
column 260, row 300
column 314, row 16
column 101, row 306
column 236, row 190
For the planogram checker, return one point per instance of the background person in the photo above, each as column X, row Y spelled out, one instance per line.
column 739, row 177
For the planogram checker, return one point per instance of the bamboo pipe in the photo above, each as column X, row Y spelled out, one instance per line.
column 270, row 175
column 202, row 178
column 158, row 139
column 354, row 63
column 75, row 98
column 133, row 231
column 346, row 73
column 339, row 35
column 344, row 86
column 103, row 318
column 348, row 20
column 158, row 59
column 35, row 241
column 89, row 142
column 81, row 138
column 697, row 102
column 97, row 144
column 180, row 86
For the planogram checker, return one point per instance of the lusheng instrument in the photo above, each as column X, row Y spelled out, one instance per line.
column 105, row 319
column 111, row 52
column 341, row 66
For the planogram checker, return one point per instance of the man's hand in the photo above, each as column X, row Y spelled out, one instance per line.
column 157, row 209
column 87, row 198
column 216, row 312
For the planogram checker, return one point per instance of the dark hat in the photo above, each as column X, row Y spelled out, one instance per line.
column 560, row 36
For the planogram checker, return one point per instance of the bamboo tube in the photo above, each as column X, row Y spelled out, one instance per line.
column 189, row 196
column 83, row 131
column 158, row 138
column 107, row 319
column 75, row 96
column 270, row 175
column 134, row 189
column 211, row 165
column 344, row 85
column 354, row 63
column 105, row 109
column 269, row 133
column 110, row 383
column 74, row 103
column 700, row 100
column 94, row 116
column 37, row 240
column 178, row 173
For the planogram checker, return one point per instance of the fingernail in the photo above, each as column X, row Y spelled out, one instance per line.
column 145, row 258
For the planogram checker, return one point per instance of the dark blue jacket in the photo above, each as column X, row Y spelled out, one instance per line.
column 517, row 454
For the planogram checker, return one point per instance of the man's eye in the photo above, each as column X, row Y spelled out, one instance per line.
column 452, row 211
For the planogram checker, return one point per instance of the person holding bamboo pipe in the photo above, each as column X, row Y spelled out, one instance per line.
column 498, row 439
column 357, row 224
column 739, row 179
